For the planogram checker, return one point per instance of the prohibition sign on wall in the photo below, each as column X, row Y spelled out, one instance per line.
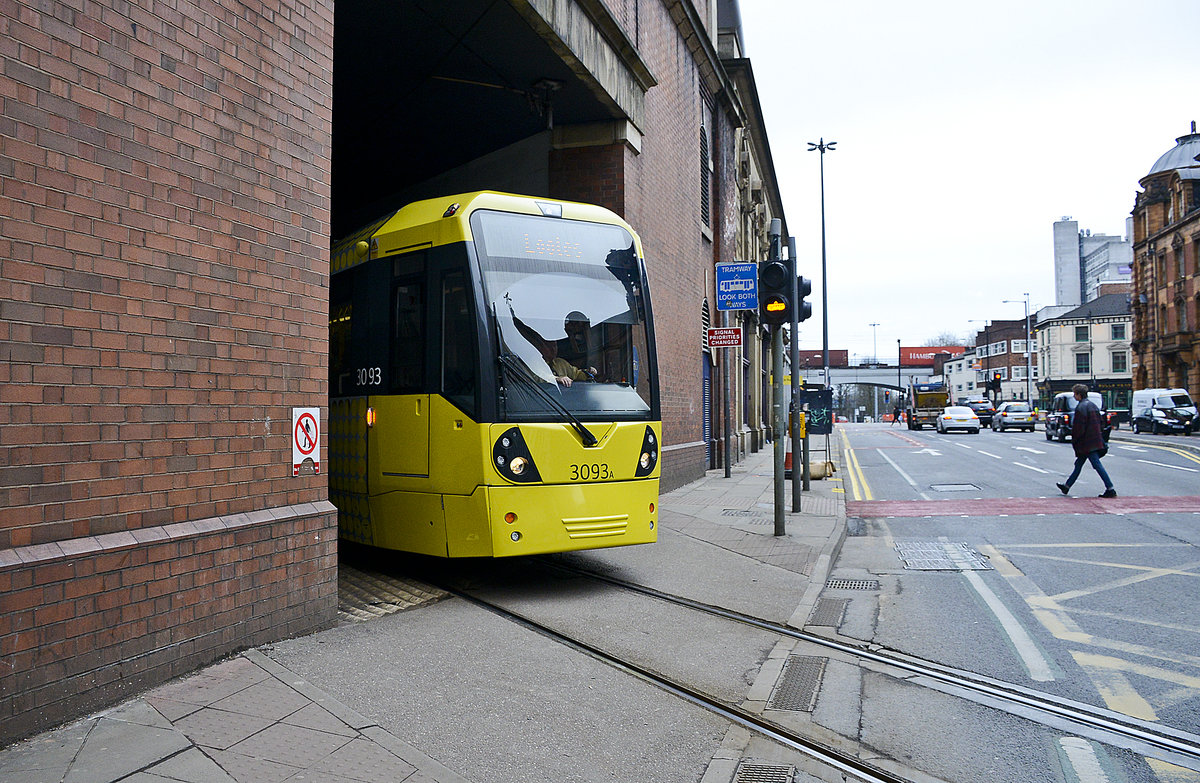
column 306, row 438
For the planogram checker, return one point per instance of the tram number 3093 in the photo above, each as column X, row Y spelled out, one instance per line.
column 370, row 376
column 595, row 471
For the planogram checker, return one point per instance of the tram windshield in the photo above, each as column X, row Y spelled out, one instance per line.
column 567, row 300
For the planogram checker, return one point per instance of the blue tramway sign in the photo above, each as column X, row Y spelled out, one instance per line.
column 737, row 286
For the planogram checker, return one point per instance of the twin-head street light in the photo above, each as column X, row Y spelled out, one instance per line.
column 822, row 146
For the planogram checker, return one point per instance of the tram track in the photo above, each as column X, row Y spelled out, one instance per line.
column 1145, row 738
column 843, row 763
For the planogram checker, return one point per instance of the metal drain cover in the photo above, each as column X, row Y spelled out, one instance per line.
column 954, row 487
column 829, row 611
column 940, row 556
column 763, row 773
column 797, row 687
column 852, row 584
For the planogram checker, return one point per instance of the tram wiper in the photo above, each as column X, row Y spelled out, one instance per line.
column 518, row 371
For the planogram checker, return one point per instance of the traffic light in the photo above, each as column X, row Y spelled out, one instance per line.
column 887, row 395
column 803, row 308
column 996, row 381
column 775, row 292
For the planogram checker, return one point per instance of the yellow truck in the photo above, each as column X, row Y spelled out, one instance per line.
column 926, row 401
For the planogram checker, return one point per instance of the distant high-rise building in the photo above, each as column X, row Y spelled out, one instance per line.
column 1083, row 260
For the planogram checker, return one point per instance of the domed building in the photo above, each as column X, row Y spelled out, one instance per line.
column 1166, row 291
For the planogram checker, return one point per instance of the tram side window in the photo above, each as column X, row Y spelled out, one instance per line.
column 458, row 342
column 408, row 337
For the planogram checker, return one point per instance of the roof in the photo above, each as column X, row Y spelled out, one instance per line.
column 1181, row 156
column 1100, row 307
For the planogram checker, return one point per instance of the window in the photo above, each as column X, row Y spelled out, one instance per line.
column 408, row 336
column 1018, row 372
column 1118, row 331
column 1120, row 361
column 1083, row 364
column 1081, row 334
column 458, row 342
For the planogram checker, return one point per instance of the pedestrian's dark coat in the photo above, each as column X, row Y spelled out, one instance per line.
column 1086, row 426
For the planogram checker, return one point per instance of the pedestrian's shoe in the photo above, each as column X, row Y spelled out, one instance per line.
column 1109, row 493
column 1063, row 488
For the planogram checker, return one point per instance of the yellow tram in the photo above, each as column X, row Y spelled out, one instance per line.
column 493, row 382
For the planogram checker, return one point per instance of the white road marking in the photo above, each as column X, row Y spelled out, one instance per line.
column 989, row 454
column 1026, row 448
column 904, row 475
column 1031, row 467
column 1081, row 755
column 1165, row 465
column 933, row 452
column 1035, row 663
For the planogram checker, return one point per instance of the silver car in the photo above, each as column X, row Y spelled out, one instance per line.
column 1017, row 415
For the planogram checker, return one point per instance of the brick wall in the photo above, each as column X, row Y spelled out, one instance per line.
column 164, row 221
column 662, row 201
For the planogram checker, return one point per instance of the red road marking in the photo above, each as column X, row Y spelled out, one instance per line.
column 988, row 507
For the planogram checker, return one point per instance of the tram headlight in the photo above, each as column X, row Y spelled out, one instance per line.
column 511, row 457
column 648, row 459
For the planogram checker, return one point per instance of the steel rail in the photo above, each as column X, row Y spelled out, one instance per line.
column 838, row 760
column 1173, row 745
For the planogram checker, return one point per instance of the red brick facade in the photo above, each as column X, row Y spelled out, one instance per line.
column 164, row 243
column 163, row 307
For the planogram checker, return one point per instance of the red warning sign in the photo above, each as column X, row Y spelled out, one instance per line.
column 306, row 439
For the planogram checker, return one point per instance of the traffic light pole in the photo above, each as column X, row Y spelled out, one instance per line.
column 778, row 421
column 799, row 467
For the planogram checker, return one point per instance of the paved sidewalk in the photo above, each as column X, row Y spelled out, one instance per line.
column 250, row 720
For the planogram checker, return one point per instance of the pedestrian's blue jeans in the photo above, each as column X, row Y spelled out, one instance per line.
column 1094, row 458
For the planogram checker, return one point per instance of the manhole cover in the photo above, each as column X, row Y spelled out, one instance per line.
column 940, row 556
column 829, row 611
column 954, row 487
column 796, row 689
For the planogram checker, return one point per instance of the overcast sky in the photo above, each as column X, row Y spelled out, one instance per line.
column 964, row 130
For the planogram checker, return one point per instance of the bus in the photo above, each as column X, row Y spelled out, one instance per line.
column 493, row 380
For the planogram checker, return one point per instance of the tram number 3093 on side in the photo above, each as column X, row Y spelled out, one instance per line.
column 595, row 471
column 370, row 376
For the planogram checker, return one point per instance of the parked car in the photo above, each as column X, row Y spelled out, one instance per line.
column 958, row 417
column 1013, row 414
column 1164, row 411
column 1058, row 416
column 982, row 407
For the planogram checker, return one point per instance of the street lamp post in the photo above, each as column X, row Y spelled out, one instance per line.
column 1028, row 348
column 822, row 145
column 874, row 361
column 988, row 352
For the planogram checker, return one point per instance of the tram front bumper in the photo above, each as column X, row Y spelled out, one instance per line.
column 564, row 517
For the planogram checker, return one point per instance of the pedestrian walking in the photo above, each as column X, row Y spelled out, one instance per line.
column 1088, row 440
column 895, row 415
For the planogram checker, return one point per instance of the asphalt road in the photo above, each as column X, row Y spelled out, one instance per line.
column 1090, row 599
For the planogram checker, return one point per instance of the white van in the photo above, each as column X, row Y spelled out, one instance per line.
column 1164, row 411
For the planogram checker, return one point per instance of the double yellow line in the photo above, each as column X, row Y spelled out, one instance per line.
column 858, row 483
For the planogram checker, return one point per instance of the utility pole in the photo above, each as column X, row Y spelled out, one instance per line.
column 822, row 146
